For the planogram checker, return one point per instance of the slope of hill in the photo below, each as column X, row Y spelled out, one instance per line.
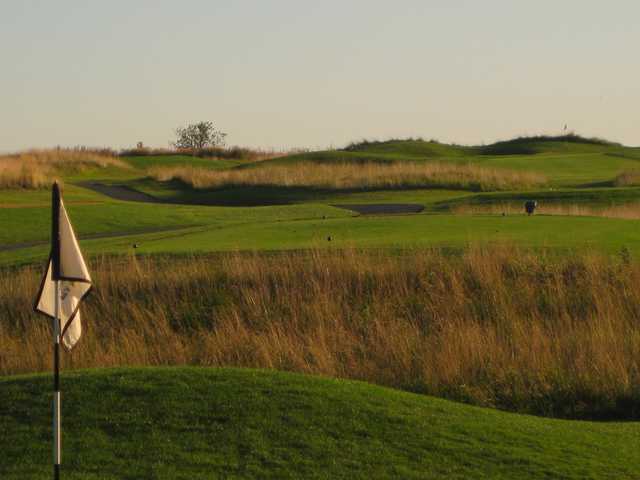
column 570, row 143
column 229, row 423
column 408, row 149
column 568, row 161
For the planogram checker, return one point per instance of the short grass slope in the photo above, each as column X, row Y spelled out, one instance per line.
column 566, row 161
column 192, row 423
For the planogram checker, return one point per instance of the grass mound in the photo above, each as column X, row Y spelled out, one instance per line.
column 410, row 146
column 516, row 146
column 204, row 423
column 570, row 143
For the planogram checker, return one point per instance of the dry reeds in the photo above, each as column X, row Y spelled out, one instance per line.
column 34, row 168
column 399, row 175
column 493, row 326
column 627, row 178
column 630, row 211
column 227, row 153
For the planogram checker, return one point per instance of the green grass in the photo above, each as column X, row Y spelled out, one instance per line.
column 560, row 233
column 528, row 145
column 15, row 198
column 190, row 423
column 413, row 230
column 410, row 147
column 121, row 217
column 275, row 218
column 594, row 197
column 566, row 170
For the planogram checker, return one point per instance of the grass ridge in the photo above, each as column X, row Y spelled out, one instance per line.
column 187, row 422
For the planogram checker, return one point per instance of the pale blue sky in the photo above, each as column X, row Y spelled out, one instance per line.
column 287, row 73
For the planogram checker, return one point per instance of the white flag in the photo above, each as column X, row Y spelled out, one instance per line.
column 67, row 266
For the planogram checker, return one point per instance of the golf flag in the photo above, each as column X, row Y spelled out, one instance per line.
column 67, row 266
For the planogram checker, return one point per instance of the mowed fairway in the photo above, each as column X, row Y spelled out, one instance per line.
column 411, row 231
column 191, row 423
column 562, row 233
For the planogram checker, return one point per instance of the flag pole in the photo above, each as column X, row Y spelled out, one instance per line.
column 70, row 282
column 55, row 275
column 56, row 385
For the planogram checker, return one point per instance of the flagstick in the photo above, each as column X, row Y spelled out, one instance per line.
column 56, row 385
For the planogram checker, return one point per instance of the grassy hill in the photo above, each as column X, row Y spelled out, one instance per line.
column 422, row 149
column 570, row 143
column 191, row 423
column 568, row 161
column 579, row 171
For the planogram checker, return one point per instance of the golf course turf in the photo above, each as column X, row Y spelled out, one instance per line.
column 189, row 423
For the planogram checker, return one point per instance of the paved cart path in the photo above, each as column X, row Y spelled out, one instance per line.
column 384, row 208
column 21, row 245
column 120, row 192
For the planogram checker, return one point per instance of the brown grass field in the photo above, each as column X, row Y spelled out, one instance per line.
column 233, row 152
column 35, row 168
column 628, row 178
column 398, row 175
column 492, row 326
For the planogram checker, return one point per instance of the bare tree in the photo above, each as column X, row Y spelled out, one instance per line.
column 197, row 136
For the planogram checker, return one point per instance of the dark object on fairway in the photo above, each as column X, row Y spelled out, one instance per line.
column 530, row 206
column 135, row 245
column 328, row 239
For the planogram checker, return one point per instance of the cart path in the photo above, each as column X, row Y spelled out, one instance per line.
column 95, row 236
column 383, row 208
column 120, row 192
column 126, row 193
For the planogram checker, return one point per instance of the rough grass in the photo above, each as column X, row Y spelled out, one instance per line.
column 36, row 168
column 628, row 178
column 629, row 211
column 225, row 153
column 400, row 175
column 494, row 327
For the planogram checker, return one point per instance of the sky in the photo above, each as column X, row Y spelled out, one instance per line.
column 306, row 74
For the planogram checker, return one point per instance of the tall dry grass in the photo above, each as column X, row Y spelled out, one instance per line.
column 229, row 153
column 493, row 326
column 628, row 178
column 630, row 211
column 399, row 175
column 35, row 168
